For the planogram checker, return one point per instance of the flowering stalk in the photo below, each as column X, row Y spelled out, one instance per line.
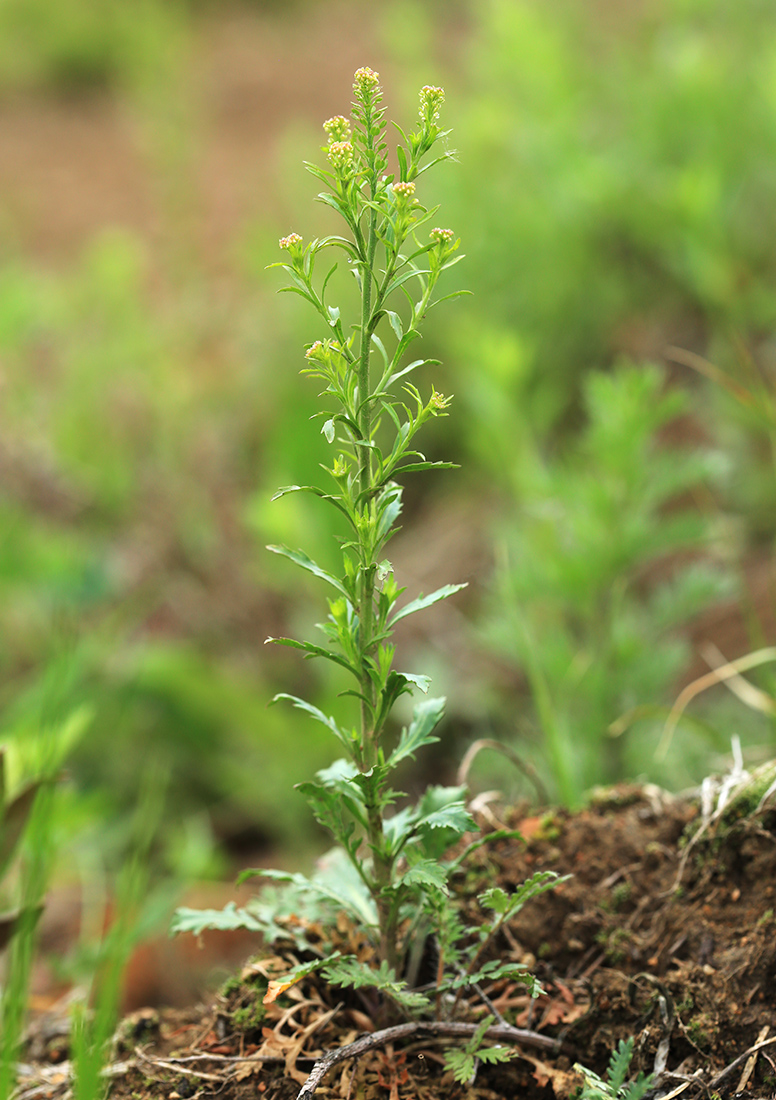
column 390, row 870
column 373, row 429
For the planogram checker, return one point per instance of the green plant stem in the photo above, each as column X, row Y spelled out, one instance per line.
column 382, row 863
column 366, row 581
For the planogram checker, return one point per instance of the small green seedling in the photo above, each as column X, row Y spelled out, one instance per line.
column 614, row 1087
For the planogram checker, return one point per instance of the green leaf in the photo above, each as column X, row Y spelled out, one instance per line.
column 298, row 557
column 390, row 510
column 426, row 873
column 619, row 1063
column 335, row 812
column 318, row 715
column 336, row 878
column 426, row 601
column 313, row 650
column 349, row 973
column 426, row 716
column 421, row 682
column 442, row 819
column 492, row 971
column 328, row 430
column 342, row 776
column 395, row 322
column 220, row 920
column 455, row 817
column 401, row 279
column 463, row 1061
column 508, row 905
column 286, row 489
column 417, row 467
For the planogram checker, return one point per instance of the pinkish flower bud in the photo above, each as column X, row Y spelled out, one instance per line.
column 404, row 192
column 290, row 242
column 365, row 83
column 341, row 155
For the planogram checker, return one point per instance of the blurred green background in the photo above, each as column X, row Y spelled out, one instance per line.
column 614, row 509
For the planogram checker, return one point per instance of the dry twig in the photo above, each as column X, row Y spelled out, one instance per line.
column 502, row 1032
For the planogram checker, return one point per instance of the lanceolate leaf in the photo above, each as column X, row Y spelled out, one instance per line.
column 426, row 601
column 314, row 651
column 301, row 559
column 426, row 717
column 286, row 489
column 417, row 467
column 317, row 714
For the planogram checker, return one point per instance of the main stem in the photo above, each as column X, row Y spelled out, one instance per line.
column 381, row 862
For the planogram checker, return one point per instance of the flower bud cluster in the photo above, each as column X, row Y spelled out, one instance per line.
column 365, row 83
column 341, row 156
column 442, row 236
column 438, row 402
column 338, row 128
column 431, row 99
column 405, row 193
column 290, row 242
column 327, row 357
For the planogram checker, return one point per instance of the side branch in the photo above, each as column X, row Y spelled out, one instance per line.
column 503, row 1032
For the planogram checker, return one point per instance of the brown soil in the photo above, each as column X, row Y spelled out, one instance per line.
column 655, row 935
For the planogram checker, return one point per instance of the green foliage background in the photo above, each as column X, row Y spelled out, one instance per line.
column 614, row 197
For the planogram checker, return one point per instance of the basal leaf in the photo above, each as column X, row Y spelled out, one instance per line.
column 221, row 920
column 336, row 878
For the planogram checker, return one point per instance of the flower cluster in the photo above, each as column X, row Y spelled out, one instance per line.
column 365, row 83
column 338, row 128
column 404, row 192
column 438, row 402
column 442, row 236
column 431, row 99
column 341, row 156
column 290, row 242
